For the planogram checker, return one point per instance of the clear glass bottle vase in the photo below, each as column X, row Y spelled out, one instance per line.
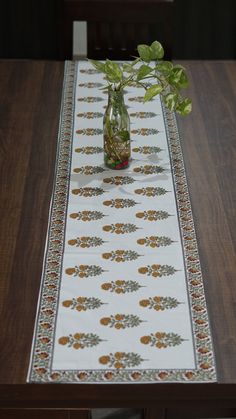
column 116, row 132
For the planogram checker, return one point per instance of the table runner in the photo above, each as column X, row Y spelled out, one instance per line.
column 122, row 297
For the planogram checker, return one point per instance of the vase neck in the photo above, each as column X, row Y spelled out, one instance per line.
column 116, row 98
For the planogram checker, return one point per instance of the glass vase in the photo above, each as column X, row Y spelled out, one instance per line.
column 116, row 132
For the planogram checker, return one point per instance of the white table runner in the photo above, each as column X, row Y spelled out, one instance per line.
column 122, row 297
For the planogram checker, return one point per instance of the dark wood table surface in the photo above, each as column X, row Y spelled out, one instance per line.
column 30, row 95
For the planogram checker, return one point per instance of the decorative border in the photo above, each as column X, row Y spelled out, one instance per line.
column 42, row 350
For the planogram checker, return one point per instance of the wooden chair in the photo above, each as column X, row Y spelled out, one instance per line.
column 113, row 28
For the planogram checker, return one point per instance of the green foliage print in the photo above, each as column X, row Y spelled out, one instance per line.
column 120, row 228
column 120, row 203
column 86, row 242
column 150, row 191
column 147, row 150
column 121, row 321
column 148, row 169
column 89, row 170
column 155, row 241
column 121, row 360
column 85, row 271
column 162, row 340
column 87, row 215
column 88, row 191
column 121, row 255
column 80, row 340
column 121, row 287
column 156, row 270
column 89, row 150
column 83, row 303
column 159, row 303
column 152, row 215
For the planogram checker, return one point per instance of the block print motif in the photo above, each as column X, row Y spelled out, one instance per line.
column 89, row 150
column 159, row 303
column 121, row 321
column 85, row 271
column 89, row 71
column 147, row 150
column 152, row 215
column 148, row 169
column 155, row 241
column 90, row 115
column 89, row 131
column 119, row 180
column 145, row 131
column 138, row 99
column 87, row 215
column 83, row 303
column 86, row 242
column 121, row 255
column 90, row 99
column 162, row 340
column 90, row 85
column 88, row 192
column 80, row 340
column 89, row 170
column 150, row 191
column 120, row 228
column 143, row 115
column 121, row 287
column 120, row 203
column 157, row 270
column 121, row 360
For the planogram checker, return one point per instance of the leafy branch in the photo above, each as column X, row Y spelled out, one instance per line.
column 151, row 72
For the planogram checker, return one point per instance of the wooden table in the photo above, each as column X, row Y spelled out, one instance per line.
column 30, row 94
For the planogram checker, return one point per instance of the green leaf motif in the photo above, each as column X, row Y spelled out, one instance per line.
column 113, row 71
column 164, row 67
column 152, row 91
column 170, row 100
column 157, row 51
column 98, row 65
column 184, row 107
column 143, row 71
column 145, row 52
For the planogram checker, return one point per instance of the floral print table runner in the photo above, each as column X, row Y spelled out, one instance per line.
column 122, row 297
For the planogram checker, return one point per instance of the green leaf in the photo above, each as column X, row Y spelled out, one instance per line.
column 98, row 65
column 157, row 51
column 164, row 67
column 178, row 77
column 143, row 71
column 113, row 72
column 144, row 52
column 184, row 107
column 170, row 100
column 123, row 134
column 154, row 90
column 128, row 68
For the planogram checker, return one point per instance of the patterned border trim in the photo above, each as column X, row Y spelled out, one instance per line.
column 42, row 351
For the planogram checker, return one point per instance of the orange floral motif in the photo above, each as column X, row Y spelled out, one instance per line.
column 148, row 169
column 162, row 340
column 155, row 241
column 120, row 203
column 159, row 303
column 121, row 321
column 119, row 180
column 120, row 228
column 120, row 360
column 150, row 191
column 88, row 191
column 121, row 255
column 120, row 286
column 156, row 270
column 80, row 340
column 83, row 303
column 152, row 215
column 85, row 271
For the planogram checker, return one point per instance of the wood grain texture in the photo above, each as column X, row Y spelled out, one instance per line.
column 29, row 114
